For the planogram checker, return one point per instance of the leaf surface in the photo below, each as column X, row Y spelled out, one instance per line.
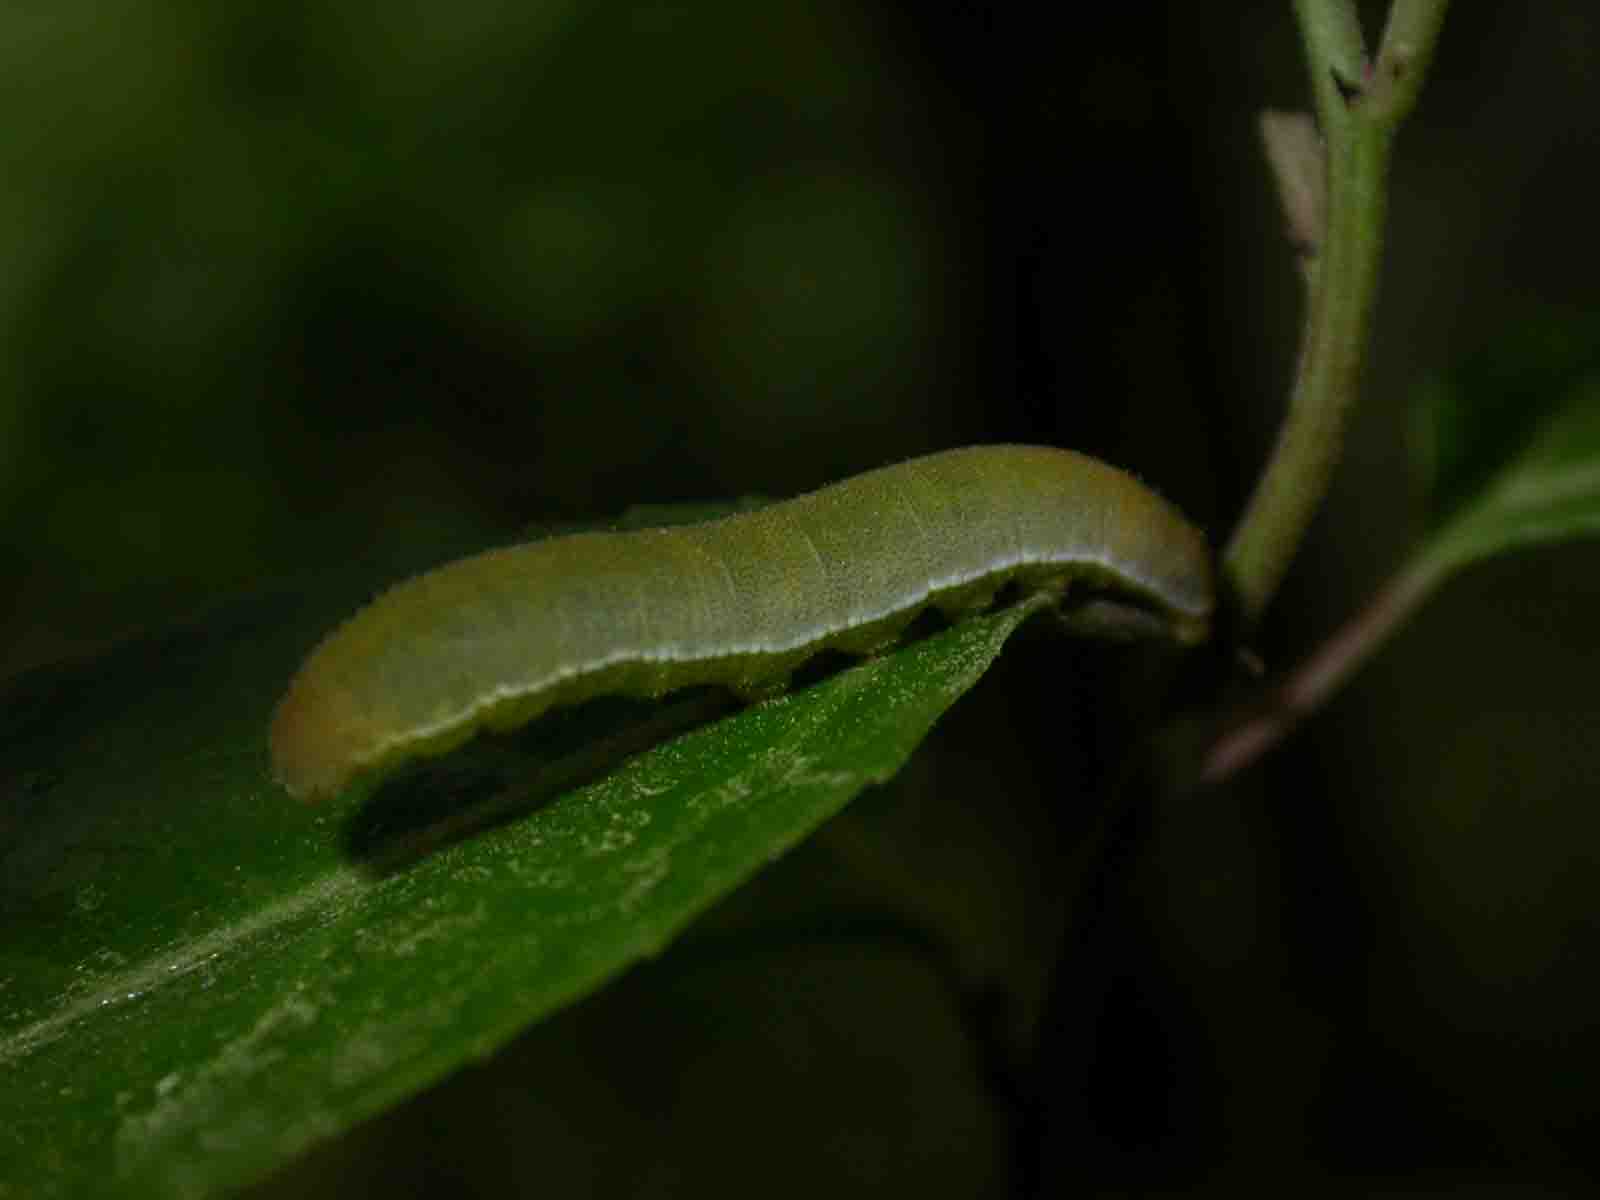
column 1539, row 484
column 199, row 977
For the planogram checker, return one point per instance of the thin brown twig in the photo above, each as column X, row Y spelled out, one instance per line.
column 1308, row 686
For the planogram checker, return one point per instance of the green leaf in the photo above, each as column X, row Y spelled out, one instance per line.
column 1470, row 423
column 199, row 978
column 1548, row 491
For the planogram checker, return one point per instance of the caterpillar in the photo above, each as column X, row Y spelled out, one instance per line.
column 492, row 641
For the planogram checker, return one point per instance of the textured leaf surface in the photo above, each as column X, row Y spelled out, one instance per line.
column 199, row 977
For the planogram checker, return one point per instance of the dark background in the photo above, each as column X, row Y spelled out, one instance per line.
column 284, row 283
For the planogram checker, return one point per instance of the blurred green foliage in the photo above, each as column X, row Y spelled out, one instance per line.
column 1472, row 419
column 279, row 280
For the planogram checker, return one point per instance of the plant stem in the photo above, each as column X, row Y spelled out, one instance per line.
column 1360, row 106
column 1310, row 684
column 1404, row 54
column 1335, row 51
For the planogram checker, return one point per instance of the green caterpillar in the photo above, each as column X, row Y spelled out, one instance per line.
column 494, row 640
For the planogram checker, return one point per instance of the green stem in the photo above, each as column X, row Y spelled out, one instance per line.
column 1296, row 478
column 1331, row 31
column 1405, row 53
column 1360, row 108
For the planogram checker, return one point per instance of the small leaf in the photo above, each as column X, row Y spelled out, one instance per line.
column 1548, row 492
column 199, row 978
column 1509, row 447
column 1471, row 422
